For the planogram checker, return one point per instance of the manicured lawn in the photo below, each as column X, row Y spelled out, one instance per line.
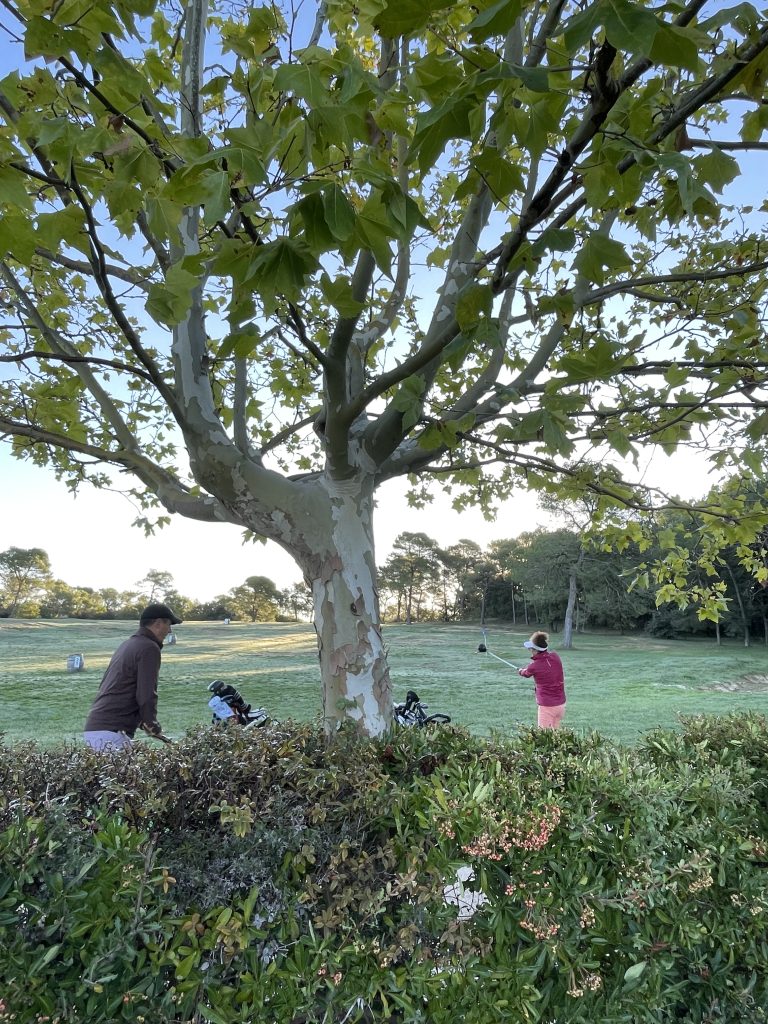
column 618, row 685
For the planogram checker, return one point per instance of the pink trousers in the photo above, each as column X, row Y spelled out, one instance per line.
column 550, row 718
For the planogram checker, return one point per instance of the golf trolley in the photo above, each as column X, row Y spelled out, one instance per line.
column 227, row 703
column 413, row 712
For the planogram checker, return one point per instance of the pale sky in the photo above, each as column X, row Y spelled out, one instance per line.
column 90, row 540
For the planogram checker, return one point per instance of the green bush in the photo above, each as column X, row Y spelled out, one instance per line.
column 263, row 876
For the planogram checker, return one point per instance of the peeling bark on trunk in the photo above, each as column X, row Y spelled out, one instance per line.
column 341, row 570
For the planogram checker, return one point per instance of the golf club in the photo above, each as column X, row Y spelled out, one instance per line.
column 482, row 648
column 156, row 735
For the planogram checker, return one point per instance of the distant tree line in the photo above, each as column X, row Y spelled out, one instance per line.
column 560, row 579
column 28, row 589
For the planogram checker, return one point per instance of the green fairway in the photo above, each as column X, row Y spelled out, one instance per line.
column 618, row 685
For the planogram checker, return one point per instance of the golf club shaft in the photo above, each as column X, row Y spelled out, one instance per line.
column 501, row 659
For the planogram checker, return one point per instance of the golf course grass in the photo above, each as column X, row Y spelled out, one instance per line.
column 620, row 686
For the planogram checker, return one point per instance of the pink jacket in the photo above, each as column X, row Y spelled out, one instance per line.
column 547, row 671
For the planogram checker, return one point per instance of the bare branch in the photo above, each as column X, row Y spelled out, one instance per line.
column 721, row 144
column 173, row 495
column 82, row 267
column 681, row 277
column 99, row 265
column 112, row 364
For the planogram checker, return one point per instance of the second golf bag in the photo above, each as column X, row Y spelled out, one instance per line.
column 414, row 712
column 227, row 702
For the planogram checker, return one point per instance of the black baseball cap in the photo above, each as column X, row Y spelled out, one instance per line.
column 158, row 611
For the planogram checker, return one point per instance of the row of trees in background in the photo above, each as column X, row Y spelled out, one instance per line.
column 29, row 589
column 558, row 580
column 553, row 578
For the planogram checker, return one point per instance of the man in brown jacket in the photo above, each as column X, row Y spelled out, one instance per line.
column 127, row 697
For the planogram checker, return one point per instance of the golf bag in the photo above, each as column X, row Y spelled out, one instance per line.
column 414, row 712
column 227, row 702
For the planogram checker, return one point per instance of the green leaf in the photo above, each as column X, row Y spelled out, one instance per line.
column 339, row 293
column 596, row 363
column 43, row 38
column 240, row 343
column 502, row 175
column 215, row 196
column 408, row 399
column 630, row 27
column 676, row 375
column 437, row 75
column 169, row 303
column 281, row 268
column 185, row 966
column 582, row 27
column 495, row 20
column 339, row 213
column 244, row 155
column 17, row 239
column 310, row 214
column 12, row 189
column 404, row 17
column 375, row 231
column 404, row 212
column 213, row 1015
column 535, row 79
column 164, row 217
column 717, row 169
column 632, row 974
column 601, row 256
column 474, row 303
column 676, row 47
column 301, row 80
column 666, row 540
column 449, row 120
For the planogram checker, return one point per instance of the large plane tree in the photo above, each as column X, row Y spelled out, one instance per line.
column 260, row 260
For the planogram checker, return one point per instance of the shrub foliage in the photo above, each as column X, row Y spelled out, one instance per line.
column 265, row 876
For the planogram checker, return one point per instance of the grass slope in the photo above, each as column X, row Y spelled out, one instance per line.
column 618, row 685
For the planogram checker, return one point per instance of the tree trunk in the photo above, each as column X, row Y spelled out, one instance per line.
column 570, row 607
column 740, row 602
column 337, row 558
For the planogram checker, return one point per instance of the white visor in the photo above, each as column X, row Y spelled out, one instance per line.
column 532, row 646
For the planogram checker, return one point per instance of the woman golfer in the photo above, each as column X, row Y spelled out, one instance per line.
column 547, row 671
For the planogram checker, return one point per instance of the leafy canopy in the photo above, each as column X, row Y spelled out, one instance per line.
column 483, row 240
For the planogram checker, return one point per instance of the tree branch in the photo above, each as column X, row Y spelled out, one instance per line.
column 99, row 265
column 721, row 144
column 172, row 494
column 681, row 277
column 83, row 267
column 63, row 347
column 112, row 364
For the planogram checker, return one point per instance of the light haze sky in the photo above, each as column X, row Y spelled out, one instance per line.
column 90, row 540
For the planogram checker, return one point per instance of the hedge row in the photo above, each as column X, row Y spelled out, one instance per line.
column 262, row 876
